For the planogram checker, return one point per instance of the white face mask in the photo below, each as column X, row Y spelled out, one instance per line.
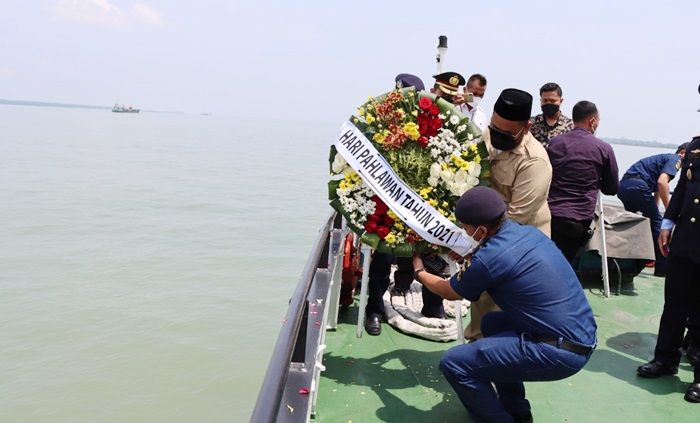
column 475, row 102
column 476, row 243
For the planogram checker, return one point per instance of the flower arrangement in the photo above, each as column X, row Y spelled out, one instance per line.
column 432, row 148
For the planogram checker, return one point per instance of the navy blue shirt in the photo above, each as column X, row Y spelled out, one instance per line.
column 650, row 168
column 529, row 278
column 581, row 165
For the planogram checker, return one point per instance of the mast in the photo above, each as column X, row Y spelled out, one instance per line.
column 441, row 52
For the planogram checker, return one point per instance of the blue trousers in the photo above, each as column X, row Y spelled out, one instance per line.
column 506, row 358
column 636, row 197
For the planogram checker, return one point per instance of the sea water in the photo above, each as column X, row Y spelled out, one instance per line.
column 146, row 260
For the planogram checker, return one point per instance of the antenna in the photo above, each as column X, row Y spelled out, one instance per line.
column 441, row 51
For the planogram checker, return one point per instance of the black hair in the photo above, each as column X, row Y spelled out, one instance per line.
column 496, row 223
column 583, row 110
column 550, row 86
column 477, row 77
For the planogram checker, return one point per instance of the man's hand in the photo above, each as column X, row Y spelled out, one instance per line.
column 664, row 238
column 417, row 262
column 459, row 99
column 456, row 257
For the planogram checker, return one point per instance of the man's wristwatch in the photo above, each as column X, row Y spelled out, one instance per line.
column 416, row 272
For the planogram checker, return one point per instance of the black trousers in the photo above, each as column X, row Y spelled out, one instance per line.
column 379, row 271
column 570, row 235
column 681, row 309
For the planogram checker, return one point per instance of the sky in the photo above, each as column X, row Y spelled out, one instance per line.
column 639, row 61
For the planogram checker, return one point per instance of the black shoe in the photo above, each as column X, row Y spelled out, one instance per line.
column 373, row 324
column 660, row 273
column 654, row 369
column 693, row 355
column 524, row 417
column 693, row 393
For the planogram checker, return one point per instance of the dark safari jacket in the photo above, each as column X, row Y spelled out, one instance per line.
column 684, row 207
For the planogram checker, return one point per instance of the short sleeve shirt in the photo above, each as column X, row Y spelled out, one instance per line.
column 544, row 133
column 650, row 168
column 529, row 278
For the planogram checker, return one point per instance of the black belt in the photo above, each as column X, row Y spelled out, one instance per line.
column 632, row 176
column 564, row 344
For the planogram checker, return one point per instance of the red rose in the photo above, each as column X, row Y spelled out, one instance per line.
column 423, row 141
column 375, row 198
column 383, row 231
column 435, row 123
column 371, row 227
column 387, row 221
column 374, row 218
column 434, row 110
column 381, row 208
column 425, row 103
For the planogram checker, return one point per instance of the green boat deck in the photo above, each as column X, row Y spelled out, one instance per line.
column 394, row 377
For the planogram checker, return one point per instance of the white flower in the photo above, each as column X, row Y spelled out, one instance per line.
column 435, row 170
column 454, row 119
column 472, row 181
column 461, row 128
column 338, row 163
column 446, row 175
column 441, row 116
column 470, row 136
column 461, row 176
column 432, row 181
column 474, row 169
column 457, row 189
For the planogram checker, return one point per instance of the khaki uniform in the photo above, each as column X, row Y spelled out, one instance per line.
column 522, row 176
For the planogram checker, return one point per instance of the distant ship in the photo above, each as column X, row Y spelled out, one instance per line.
column 123, row 109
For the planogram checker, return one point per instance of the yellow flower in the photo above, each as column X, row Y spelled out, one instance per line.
column 361, row 111
column 369, row 118
column 390, row 238
column 477, row 159
column 445, row 204
column 411, row 130
column 473, row 148
column 433, row 202
column 399, row 226
column 392, row 215
column 443, row 166
column 379, row 137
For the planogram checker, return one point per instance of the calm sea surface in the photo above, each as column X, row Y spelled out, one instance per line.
column 146, row 261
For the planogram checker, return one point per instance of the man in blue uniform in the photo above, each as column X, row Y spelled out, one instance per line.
column 682, row 290
column 643, row 185
column 546, row 330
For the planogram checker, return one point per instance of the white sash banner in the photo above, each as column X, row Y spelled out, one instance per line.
column 410, row 207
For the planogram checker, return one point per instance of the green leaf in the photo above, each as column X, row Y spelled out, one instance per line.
column 333, row 190
column 372, row 240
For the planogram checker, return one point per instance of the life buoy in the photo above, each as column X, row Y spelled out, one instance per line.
column 351, row 271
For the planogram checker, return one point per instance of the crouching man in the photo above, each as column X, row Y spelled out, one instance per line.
column 546, row 330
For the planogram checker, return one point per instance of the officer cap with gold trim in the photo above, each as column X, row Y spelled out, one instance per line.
column 449, row 82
